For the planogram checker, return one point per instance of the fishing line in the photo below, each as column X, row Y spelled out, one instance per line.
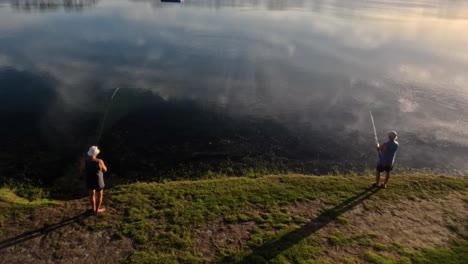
column 106, row 113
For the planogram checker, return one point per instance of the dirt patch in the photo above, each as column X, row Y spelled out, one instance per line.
column 412, row 224
column 415, row 224
column 308, row 209
column 60, row 234
column 210, row 238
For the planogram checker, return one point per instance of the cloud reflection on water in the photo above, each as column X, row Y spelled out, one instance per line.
column 316, row 65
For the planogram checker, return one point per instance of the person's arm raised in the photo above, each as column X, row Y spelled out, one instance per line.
column 102, row 165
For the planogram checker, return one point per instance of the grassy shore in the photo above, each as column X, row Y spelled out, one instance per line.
column 280, row 219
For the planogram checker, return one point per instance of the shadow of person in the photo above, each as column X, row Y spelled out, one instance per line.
column 271, row 249
column 9, row 242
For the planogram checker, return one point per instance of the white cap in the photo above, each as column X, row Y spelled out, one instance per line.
column 392, row 134
column 93, row 151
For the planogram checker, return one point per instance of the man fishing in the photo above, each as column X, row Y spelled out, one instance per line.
column 94, row 169
column 387, row 152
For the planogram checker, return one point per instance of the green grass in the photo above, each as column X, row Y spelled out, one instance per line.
column 338, row 239
column 161, row 217
column 11, row 204
column 372, row 257
column 165, row 220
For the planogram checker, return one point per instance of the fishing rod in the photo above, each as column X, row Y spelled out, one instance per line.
column 375, row 131
column 106, row 113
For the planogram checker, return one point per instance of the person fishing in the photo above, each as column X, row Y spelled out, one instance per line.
column 387, row 152
column 94, row 169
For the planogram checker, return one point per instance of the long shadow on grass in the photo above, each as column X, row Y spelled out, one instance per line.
column 42, row 231
column 270, row 250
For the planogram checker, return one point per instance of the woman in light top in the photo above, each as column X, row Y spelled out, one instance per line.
column 94, row 169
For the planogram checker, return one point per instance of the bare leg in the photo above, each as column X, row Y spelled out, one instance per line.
column 92, row 199
column 98, row 207
column 387, row 176
column 377, row 178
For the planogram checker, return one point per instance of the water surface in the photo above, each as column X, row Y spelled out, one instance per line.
column 287, row 81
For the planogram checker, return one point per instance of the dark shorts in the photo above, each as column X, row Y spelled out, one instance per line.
column 94, row 189
column 95, row 182
column 383, row 167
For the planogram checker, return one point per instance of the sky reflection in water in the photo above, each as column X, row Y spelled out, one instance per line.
column 314, row 66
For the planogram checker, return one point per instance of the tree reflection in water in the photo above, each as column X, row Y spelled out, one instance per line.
column 52, row 4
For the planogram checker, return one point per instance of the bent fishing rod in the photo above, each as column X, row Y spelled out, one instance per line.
column 375, row 132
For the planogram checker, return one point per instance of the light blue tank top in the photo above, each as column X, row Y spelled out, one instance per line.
column 387, row 156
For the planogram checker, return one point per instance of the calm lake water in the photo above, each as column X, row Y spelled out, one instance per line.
column 287, row 81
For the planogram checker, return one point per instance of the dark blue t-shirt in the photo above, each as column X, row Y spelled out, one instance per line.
column 387, row 156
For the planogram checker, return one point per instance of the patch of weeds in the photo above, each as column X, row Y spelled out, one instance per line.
column 397, row 247
column 280, row 226
column 99, row 226
column 338, row 239
column 332, row 200
column 265, row 225
column 280, row 217
column 370, row 205
column 250, row 173
column 30, row 192
column 279, row 259
column 379, row 246
column 457, row 253
column 145, row 257
column 321, row 261
column 328, row 214
column 138, row 231
column 135, row 214
column 118, row 235
column 377, row 259
column 257, row 218
column 458, row 231
column 12, row 204
column 267, row 217
column 364, row 240
column 229, row 255
column 243, row 217
column 169, row 241
column 404, row 260
column 298, row 219
column 348, row 260
column 131, row 197
column 256, row 240
column 465, row 200
column 426, row 255
column 303, row 252
column 256, row 230
column 341, row 220
column 231, row 219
